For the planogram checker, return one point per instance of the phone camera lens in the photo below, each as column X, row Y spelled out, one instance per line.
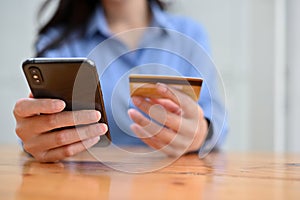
column 36, row 75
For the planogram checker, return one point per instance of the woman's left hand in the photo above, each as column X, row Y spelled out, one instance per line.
column 181, row 126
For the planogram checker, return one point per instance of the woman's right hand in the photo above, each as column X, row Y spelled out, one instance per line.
column 37, row 119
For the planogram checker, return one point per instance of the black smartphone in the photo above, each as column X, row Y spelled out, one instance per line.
column 73, row 80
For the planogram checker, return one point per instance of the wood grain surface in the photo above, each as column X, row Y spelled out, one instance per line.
column 218, row 176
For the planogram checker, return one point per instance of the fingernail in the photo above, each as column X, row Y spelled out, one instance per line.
column 103, row 128
column 58, row 104
column 162, row 87
column 96, row 115
column 136, row 100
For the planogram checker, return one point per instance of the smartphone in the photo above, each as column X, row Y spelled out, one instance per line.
column 73, row 80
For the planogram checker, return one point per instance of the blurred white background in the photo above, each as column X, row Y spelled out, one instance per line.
column 254, row 44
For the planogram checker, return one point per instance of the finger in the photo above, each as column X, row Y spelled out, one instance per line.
column 64, row 137
column 158, row 113
column 66, row 151
column 165, row 136
column 45, row 123
column 156, row 132
column 27, row 107
column 155, row 142
column 153, row 129
column 144, row 135
column 168, row 104
column 187, row 104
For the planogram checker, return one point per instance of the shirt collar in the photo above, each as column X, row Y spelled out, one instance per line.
column 99, row 24
column 159, row 17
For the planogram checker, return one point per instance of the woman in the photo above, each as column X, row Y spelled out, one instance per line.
column 105, row 30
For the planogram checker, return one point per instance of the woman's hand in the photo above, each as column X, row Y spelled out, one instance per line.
column 37, row 119
column 181, row 126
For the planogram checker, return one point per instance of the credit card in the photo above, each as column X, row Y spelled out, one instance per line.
column 144, row 85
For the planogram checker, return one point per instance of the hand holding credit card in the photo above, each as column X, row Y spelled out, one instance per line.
column 144, row 85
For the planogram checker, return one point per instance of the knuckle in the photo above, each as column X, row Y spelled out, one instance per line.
column 36, row 152
column 52, row 120
column 18, row 108
column 68, row 151
column 60, row 138
column 19, row 131
column 27, row 148
column 32, row 150
column 41, row 157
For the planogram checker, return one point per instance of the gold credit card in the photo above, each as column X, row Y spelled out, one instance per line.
column 144, row 85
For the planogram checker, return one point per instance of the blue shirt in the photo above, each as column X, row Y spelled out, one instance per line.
column 172, row 45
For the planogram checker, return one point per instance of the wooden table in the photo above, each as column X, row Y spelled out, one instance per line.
column 219, row 176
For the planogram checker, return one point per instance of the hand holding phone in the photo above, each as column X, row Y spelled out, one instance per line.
column 70, row 80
